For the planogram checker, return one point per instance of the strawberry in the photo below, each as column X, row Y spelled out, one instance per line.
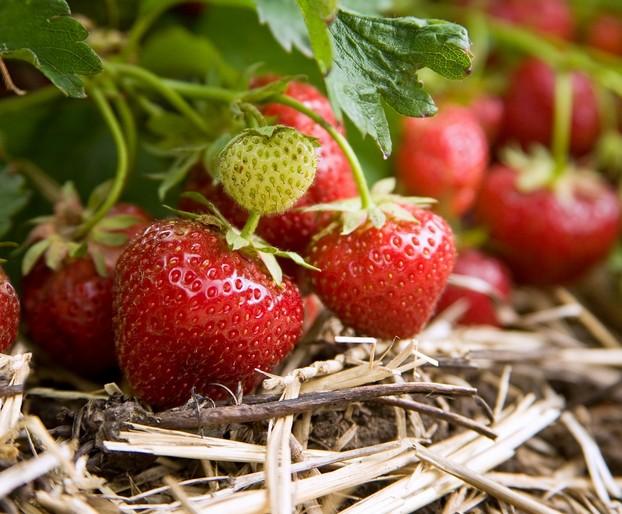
column 267, row 170
column 385, row 282
column 444, row 157
column 488, row 109
column 605, row 33
column 549, row 236
column 481, row 306
column 193, row 315
column 549, row 17
column 9, row 312
column 68, row 311
column 293, row 229
column 529, row 108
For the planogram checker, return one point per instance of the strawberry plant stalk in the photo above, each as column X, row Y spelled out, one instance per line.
column 561, row 123
column 355, row 165
column 155, row 83
column 122, row 163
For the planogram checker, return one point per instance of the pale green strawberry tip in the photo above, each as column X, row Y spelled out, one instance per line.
column 268, row 174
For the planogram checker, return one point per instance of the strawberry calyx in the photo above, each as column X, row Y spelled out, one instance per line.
column 54, row 238
column 353, row 214
column 244, row 240
column 537, row 171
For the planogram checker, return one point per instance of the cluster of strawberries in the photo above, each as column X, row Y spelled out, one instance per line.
column 190, row 305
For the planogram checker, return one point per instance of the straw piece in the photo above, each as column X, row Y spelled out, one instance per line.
column 483, row 483
column 15, row 369
column 603, row 481
column 28, row 470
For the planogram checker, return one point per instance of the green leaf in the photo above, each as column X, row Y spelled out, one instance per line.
column 352, row 221
column 384, row 187
column 177, row 173
column 118, row 222
column 235, row 240
column 377, row 59
column 176, row 52
column 98, row 196
column 43, row 33
column 315, row 14
column 108, row 238
column 100, row 263
column 286, row 24
column 272, row 265
column 33, row 254
column 56, row 252
column 297, row 258
column 13, row 197
column 377, row 217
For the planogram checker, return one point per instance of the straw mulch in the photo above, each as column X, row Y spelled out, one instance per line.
column 521, row 419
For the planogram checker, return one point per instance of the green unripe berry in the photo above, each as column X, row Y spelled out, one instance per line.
column 266, row 170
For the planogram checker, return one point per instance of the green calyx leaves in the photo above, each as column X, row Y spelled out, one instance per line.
column 238, row 241
column 385, row 204
column 267, row 169
column 536, row 170
column 42, row 33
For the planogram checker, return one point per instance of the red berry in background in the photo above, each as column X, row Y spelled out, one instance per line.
column 529, row 108
column 68, row 312
column 293, row 229
column 191, row 314
column 605, row 33
column 385, row 282
column 546, row 236
column 9, row 312
column 549, row 17
column 481, row 307
column 443, row 157
column 488, row 110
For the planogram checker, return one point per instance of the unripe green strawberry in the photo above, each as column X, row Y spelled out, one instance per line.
column 266, row 170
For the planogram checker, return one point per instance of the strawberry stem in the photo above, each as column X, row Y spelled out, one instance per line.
column 561, row 124
column 44, row 184
column 122, row 163
column 355, row 165
column 251, row 225
column 159, row 85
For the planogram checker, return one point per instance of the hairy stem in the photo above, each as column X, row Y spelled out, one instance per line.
column 122, row 163
column 562, row 123
column 157, row 84
column 251, row 225
column 47, row 186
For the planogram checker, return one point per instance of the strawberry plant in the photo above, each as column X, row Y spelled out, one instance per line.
column 274, row 223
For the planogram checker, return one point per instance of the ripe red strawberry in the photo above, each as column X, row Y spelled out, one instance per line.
column 68, row 312
column 191, row 314
column 385, row 282
column 605, row 33
column 444, row 157
column 549, row 17
column 549, row 237
column 481, row 307
column 529, row 108
column 293, row 229
column 488, row 109
column 9, row 312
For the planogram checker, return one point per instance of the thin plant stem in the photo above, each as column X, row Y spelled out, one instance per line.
column 47, row 186
column 203, row 92
column 129, row 125
column 355, row 165
column 562, row 123
column 251, row 225
column 157, row 84
column 122, row 163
